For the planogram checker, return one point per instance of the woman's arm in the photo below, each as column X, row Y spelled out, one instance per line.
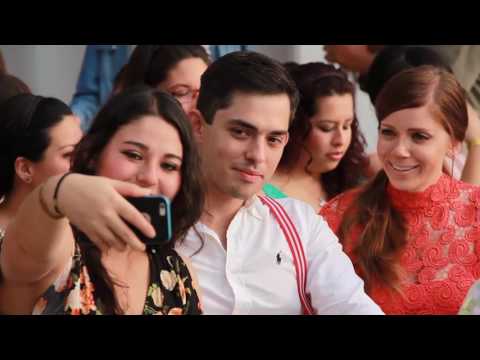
column 37, row 244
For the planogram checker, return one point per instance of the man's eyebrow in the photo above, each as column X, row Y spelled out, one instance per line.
column 279, row 132
column 247, row 125
column 65, row 146
column 242, row 123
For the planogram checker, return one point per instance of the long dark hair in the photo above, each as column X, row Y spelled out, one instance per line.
column 384, row 233
column 394, row 59
column 11, row 86
column 150, row 64
column 25, row 123
column 314, row 81
column 187, row 206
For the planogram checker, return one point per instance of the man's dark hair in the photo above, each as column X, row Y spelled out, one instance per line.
column 243, row 72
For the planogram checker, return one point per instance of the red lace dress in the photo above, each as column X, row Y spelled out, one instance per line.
column 442, row 256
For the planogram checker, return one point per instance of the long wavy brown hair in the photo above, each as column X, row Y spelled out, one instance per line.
column 187, row 206
column 384, row 231
column 315, row 81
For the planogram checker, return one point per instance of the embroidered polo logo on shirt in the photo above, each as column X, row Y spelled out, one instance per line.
column 279, row 258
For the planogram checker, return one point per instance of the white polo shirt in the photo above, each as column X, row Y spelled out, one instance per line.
column 256, row 274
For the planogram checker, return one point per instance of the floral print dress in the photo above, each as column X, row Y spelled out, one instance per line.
column 170, row 291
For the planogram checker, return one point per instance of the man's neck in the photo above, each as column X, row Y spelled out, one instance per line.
column 220, row 209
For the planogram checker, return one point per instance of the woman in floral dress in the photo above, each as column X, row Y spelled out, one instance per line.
column 140, row 144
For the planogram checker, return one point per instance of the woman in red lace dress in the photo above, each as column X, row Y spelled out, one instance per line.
column 413, row 233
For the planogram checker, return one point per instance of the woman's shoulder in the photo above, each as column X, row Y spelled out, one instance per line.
column 341, row 202
column 334, row 210
column 467, row 192
column 68, row 291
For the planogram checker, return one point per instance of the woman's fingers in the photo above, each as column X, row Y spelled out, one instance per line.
column 96, row 205
column 123, row 232
column 133, row 217
column 129, row 189
column 107, row 238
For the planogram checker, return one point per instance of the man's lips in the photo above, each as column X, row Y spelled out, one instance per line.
column 249, row 175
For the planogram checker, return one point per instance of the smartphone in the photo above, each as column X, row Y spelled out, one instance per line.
column 157, row 211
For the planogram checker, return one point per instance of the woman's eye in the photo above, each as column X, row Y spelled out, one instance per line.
column 133, row 155
column 170, row 167
column 387, row 132
column 325, row 128
column 68, row 155
column 420, row 137
column 179, row 93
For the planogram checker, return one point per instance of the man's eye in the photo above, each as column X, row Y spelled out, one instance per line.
column 239, row 132
column 276, row 140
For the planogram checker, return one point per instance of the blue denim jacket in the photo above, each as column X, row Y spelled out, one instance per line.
column 101, row 64
column 217, row 51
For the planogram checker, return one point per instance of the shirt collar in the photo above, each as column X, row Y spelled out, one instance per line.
column 255, row 208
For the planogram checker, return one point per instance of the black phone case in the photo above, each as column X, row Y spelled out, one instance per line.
column 156, row 209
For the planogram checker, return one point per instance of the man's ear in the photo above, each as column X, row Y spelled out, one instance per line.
column 287, row 138
column 198, row 124
column 24, row 169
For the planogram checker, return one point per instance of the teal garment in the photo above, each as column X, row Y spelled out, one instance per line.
column 273, row 192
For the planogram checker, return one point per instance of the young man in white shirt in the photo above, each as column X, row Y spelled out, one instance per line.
column 242, row 257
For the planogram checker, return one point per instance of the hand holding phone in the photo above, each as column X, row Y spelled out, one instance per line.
column 157, row 211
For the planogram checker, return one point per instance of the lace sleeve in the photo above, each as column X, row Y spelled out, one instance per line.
column 334, row 210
